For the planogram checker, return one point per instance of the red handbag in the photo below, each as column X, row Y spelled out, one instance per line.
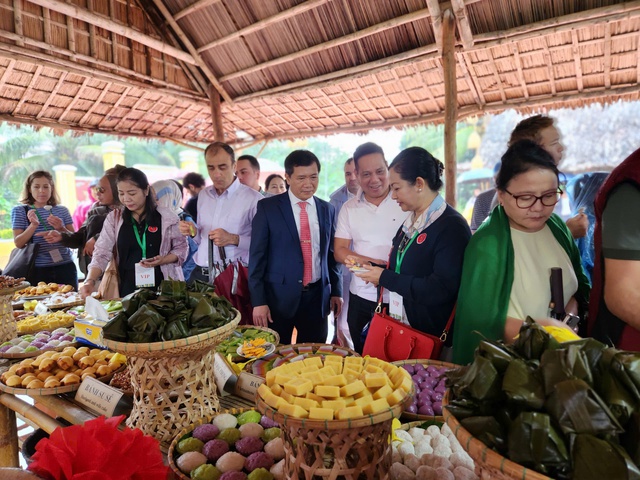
column 391, row 340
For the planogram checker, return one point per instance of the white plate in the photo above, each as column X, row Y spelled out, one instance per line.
column 269, row 348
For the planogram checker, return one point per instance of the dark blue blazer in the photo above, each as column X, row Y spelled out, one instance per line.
column 275, row 259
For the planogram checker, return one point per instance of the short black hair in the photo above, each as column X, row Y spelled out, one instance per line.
column 349, row 160
column 252, row 160
column 300, row 158
column 272, row 177
column 414, row 162
column 193, row 178
column 367, row 149
column 215, row 147
column 520, row 157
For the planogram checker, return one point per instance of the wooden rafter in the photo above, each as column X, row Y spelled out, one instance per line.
column 380, row 27
column 131, row 110
column 71, row 36
column 195, row 56
column 467, row 70
column 27, row 93
column 96, row 104
column 78, row 13
column 516, row 59
column 52, row 95
column 436, row 22
column 462, row 18
column 90, row 71
column 7, row 73
column 409, row 103
column 75, row 99
column 200, row 4
column 277, row 18
column 330, row 100
column 116, row 105
column 547, row 60
column 607, row 55
column 17, row 18
column 575, row 50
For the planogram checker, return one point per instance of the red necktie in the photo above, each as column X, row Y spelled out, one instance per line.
column 305, row 244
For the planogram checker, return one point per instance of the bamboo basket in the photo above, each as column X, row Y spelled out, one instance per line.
column 186, row 432
column 352, row 449
column 427, row 362
column 8, row 328
column 173, row 381
column 490, row 465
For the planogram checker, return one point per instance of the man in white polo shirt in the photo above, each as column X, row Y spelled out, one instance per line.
column 367, row 224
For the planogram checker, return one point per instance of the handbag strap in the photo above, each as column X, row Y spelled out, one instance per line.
column 116, row 213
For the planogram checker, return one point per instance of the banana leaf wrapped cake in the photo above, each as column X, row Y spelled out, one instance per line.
column 569, row 410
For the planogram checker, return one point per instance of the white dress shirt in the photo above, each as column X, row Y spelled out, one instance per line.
column 314, row 226
column 232, row 211
column 371, row 228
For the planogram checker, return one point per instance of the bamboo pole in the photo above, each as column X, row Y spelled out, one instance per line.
column 450, row 105
column 380, row 27
column 29, row 412
column 194, row 8
column 8, row 438
column 254, row 27
column 78, row 13
column 216, row 115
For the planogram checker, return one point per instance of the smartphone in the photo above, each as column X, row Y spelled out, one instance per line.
column 572, row 321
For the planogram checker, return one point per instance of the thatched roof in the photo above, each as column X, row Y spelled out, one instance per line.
column 287, row 68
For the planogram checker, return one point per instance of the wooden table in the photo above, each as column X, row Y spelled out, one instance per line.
column 49, row 407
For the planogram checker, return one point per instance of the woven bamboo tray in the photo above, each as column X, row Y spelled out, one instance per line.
column 428, row 362
column 19, row 356
column 193, row 344
column 490, row 465
column 276, row 340
column 186, row 431
column 8, row 329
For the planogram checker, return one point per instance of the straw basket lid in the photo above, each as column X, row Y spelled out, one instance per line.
column 186, row 431
column 193, row 344
column 489, row 463
column 364, row 421
column 14, row 289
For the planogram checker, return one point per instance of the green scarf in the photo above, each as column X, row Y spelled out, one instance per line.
column 487, row 277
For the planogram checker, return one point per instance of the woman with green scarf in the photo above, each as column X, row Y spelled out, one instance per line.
column 507, row 264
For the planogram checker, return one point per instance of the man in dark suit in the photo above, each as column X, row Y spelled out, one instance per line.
column 293, row 278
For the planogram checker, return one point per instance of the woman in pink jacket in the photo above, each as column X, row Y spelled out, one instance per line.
column 145, row 239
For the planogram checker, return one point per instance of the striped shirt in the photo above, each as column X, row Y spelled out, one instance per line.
column 19, row 221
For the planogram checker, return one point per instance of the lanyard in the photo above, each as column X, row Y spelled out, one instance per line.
column 44, row 225
column 402, row 251
column 143, row 242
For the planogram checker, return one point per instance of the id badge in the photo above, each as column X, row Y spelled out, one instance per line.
column 145, row 277
column 395, row 306
column 56, row 256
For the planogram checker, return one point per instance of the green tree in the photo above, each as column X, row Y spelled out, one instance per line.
column 431, row 138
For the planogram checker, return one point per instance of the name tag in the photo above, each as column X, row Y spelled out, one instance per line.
column 145, row 277
column 98, row 397
column 396, row 307
column 56, row 256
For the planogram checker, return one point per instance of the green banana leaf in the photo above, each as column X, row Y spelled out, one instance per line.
column 630, row 439
column 164, row 307
column 176, row 326
column 626, row 367
column 533, row 340
column 535, row 443
column 488, row 430
column 132, row 302
column 201, row 287
column 523, row 386
column 480, row 381
column 579, row 409
column 597, row 459
column 148, row 321
column 116, row 328
column 174, row 289
column 499, row 354
column 564, row 364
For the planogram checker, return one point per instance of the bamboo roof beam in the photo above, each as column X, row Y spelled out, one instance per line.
column 216, row 115
column 116, row 105
column 194, row 55
column 547, row 60
column 131, row 110
column 575, row 50
column 277, row 18
column 123, row 79
column 396, row 112
column 93, row 51
column 410, row 104
column 46, row 25
column 467, row 70
column 518, row 63
column 380, row 27
column 101, row 21
column 436, row 21
column 75, row 99
column 26, row 95
column 200, row 4
column 52, row 95
column 496, row 75
column 7, row 73
column 450, row 104
column 96, row 104
column 607, row 55
column 330, row 100
column 71, row 37
column 17, row 19
column 462, row 18
column 353, row 73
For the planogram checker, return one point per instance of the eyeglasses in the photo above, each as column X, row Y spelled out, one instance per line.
column 528, row 201
column 100, row 190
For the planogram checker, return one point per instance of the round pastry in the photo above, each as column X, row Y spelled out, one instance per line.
column 36, row 384
column 86, row 362
column 103, row 370
column 70, row 379
column 52, row 382
column 20, row 371
column 14, row 381
column 65, row 362
column 47, row 365
column 26, row 379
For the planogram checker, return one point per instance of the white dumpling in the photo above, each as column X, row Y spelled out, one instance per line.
column 403, row 435
column 406, row 448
